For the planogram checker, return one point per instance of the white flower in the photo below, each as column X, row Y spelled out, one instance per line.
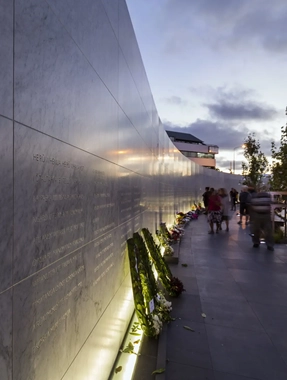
column 163, row 303
column 157, row 323
column 169, row 249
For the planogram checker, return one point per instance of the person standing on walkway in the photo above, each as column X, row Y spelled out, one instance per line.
column 214, row 211
column 244, row 199
column 260, row 205
column 225, row 207
column 205, row 197
column 233, row 198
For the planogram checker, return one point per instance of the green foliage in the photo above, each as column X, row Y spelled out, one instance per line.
column 147, row 277
column 257, row 163
column 158, row 371
column 172, row 285
column 279, row 164
column 129, row 349
column 278, row 235
column 165, row 239
column 145, row 290
column 135, row 328
column 118, row 369
column 137, row 273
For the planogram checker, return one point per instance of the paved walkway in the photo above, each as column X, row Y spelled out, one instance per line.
column 242, row 291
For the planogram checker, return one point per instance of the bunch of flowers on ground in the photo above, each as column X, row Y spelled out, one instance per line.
column 157, row 323
column 164, row 307
column 171, row 235
column 173, row 285
column 184, row 218
column 139, row 290
column 165, row 239
column 151, row 307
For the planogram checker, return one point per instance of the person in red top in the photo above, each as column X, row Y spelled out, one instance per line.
column 214, row 211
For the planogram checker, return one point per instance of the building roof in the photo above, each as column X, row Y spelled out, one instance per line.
column 184, row 137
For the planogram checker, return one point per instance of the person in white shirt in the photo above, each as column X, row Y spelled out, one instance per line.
column 225, row 202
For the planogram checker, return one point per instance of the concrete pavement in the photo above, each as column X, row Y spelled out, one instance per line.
column 235, row 303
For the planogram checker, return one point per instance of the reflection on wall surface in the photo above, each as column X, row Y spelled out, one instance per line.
column 85, row 162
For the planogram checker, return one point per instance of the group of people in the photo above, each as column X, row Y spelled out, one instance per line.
column 217, row 206
column 254, row 206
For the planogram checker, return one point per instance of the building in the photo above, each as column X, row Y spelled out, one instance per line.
column 194, row 148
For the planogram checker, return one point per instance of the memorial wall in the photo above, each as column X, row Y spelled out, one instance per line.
column 84, row 163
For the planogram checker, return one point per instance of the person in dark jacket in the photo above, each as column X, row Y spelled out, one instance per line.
column 205, row 197
column 233, row 198
column 260, row 207
column 244, row 199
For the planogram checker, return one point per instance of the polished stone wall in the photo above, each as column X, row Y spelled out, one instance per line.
column 85, row 162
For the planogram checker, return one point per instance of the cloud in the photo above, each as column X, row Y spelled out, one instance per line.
column 224, row 163
column 236, row 93
column 236, row 104
column 266, row 26
column 175, row 100
column 223, row 92
column 241, row 111
column 232, row 116
column 227, row 24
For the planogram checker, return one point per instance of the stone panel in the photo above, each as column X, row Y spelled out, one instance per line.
column 131, row 147
column 130, row 195
column 66, row 196
column 129, row 96
column 6, row 335
column 112, row 9
column 6, row 61
column 6, row 202
column 89, row 26
column 104, row 201
column 57, row 91
column 130, row 49
column 57, row 308
column 48, row 315
column 101, row 348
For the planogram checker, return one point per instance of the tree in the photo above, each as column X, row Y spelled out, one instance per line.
column 257, row 163
column 279, row 164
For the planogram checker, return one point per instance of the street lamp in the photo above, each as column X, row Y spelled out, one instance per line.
column 234, row 149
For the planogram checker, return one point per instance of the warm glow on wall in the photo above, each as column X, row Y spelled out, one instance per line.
column 126, row 363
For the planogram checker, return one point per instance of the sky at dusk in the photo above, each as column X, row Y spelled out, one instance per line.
column 216, row 68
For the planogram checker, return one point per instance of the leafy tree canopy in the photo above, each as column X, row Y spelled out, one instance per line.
column 257, row 163
column 279, row 164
